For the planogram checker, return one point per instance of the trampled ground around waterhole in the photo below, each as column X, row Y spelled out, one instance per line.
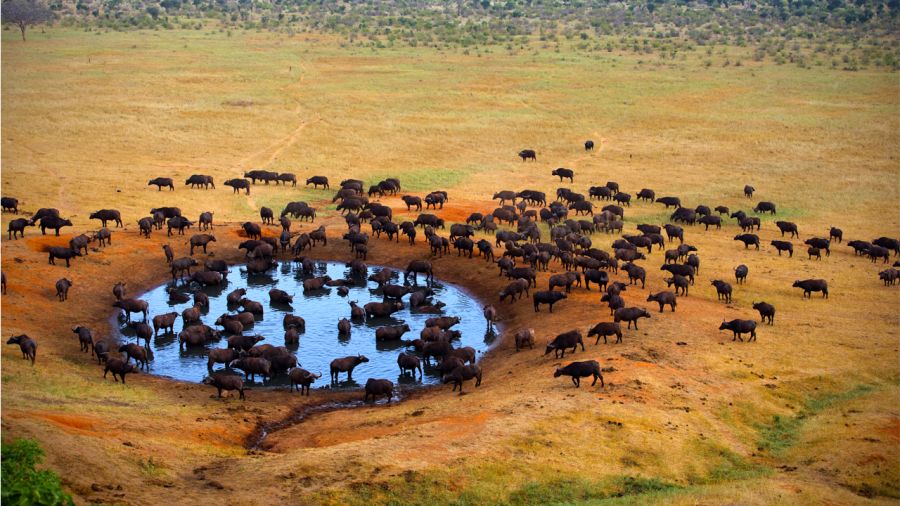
column 807, row 413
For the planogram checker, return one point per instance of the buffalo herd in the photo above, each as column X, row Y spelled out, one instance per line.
column 520, row 252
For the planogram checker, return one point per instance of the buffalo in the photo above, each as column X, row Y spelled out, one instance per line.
column 630, row 314
column 547, row 297
column 526, row 154
column 812, row 285
column 564, row 341
column 605, row 329
column 578, row 370
column 105, row 215
column 159, row 183
column 723, row 290
column 377, row 388
column 346, row 364
column 766, row 311
column 27, row 345
column 739, row 327
column 740, row 273
column 227, row 382
column 663, row 299
column 748, row 240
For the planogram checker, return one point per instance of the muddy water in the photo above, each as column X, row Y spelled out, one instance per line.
column 320, row 343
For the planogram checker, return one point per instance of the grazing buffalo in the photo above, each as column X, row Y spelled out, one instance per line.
column 238, row 185
column 663, row 299
column 178, row 223
column 578, row 370
column 548, row 298
column 784, row 246
column 605, row 329
column 812, row 285
column 711, row 220
column 723, row 290
column 27, row 345
column 17, row 227
column 681, row 283
column 739, row 327
column 646, row 194
column 262, row 175
column 377, row 388
column 766, row 311
column 160, row 182
column 630, row 314
column 10, row 204
column 564, row 341
column 748, row 240
column 79, row 243
column 462, row 373
column 670, row 202
column 525, row 154
column 286, row 177
column 764, row 207
column 198, row 180
column 740, row 273
column 105, row 215
column 411, row 202
column 119, row 368
column 317, row 181
column 346, row 364
column 564, row 173
column 227, row 382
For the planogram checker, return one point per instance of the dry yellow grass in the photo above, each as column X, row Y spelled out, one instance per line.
column 86, row 115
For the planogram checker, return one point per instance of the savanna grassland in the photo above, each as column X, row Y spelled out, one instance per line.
column 807, row 414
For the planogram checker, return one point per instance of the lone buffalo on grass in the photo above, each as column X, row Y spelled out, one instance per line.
column 739, row 327
column 812, row 285
column 527, row 154
column 578, row 370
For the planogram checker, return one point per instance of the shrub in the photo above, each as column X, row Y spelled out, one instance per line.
column 22, row 483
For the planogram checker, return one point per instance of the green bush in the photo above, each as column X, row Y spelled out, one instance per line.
column 23, row 485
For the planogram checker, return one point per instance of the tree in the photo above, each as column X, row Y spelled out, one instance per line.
column 23, row 13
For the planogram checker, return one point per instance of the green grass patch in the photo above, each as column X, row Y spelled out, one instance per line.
column 23, row 485
column 425, row 179
column 580, row 490
column 782, row 433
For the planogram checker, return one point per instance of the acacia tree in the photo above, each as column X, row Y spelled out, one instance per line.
column 23, row 13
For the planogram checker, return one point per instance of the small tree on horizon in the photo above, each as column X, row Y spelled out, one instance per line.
column 23, row 13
